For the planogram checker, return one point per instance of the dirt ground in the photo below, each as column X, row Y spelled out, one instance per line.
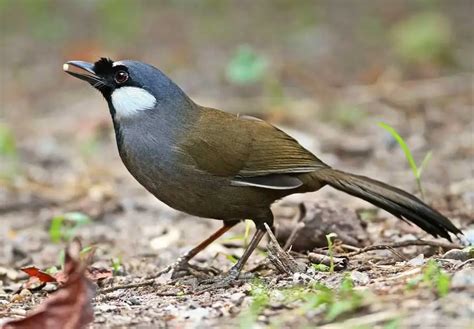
column 65, row 161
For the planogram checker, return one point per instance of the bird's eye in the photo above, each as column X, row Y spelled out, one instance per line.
column 121, row 77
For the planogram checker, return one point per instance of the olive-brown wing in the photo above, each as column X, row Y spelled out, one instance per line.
column 248, row 150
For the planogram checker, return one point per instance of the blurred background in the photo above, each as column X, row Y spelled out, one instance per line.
column 326, row 71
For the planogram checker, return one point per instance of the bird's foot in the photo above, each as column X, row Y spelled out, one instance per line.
column 226, row 280
column 181, row 268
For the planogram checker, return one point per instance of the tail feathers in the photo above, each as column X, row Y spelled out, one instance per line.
column 397, row 202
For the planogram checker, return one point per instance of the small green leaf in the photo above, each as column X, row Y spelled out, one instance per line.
column 85, row 250
column 425, row 161
column 246, row 66
column 63, row 227
column 338, row 308
column 436, row 278
column 231, row 258
column 321, row 267
column 52, row 270
column 7, row 142
column 347, row 286
column 116, row 264
column 412, row 283
column 331, row 251
column 55, row 229
column 248, row 227
column 443, row 284
column 393, row 324
column 403, row 145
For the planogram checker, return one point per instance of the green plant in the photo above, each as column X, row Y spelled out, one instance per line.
column 116, row 264
column 321, row 267
column 417, row 170
column 246, row 66
column 392, row 324
column 331, row 250
column 231, row 258
column 7, row 142
column 85, row 252
column 435, row 278
column 260, row 300
column 242, row 237
column 63, row 227
column 335, row 302
column 347, row 301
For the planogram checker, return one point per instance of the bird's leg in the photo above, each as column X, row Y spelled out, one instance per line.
column 181, row 266
column 227, row 279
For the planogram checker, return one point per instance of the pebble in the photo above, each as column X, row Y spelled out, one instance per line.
column 237, row 298
column 417, row 261
column 25, row 293
column 50, row 287
column 360, row 278
column 469, row 236
column 311, row 271
column 458, row 254
column 463, row 278
column 197, row 314
column 301, row 278
column 133, row 301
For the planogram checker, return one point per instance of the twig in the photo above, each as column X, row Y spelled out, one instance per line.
column 457, row 267
column 340, row 263
column 403, row 244
column 280, row 258
column 137, row 285
column 126, row 286
column 298, row 224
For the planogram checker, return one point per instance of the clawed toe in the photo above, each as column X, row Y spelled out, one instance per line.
column 217, row 282
column 181, row 268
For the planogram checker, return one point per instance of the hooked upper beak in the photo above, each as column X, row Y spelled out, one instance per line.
column 82, row 70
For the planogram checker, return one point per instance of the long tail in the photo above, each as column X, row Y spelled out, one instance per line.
column 397, row 202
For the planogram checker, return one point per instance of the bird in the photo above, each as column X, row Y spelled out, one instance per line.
column 214, row 164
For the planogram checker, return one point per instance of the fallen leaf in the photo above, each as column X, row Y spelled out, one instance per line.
column 37, row 273
column 70, row 307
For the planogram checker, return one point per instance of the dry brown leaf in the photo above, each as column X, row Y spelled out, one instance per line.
column 33, row 271
column 68, row 308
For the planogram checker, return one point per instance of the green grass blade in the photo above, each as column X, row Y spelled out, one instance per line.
column 425, row 161
column 403, row 145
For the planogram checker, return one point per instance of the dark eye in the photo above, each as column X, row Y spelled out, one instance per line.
column 121, row 77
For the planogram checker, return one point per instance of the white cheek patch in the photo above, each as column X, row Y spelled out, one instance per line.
column 128, row 101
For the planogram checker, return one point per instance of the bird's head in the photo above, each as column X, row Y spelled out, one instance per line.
column 129, row 87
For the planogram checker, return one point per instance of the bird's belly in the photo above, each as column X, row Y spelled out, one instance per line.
column 194, row 192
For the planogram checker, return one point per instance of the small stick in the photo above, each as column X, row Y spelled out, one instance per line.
column 340, row 263
column 126, row 286
column 403, row 244
column 280, row 258
column 137, row 285
column 298, row 224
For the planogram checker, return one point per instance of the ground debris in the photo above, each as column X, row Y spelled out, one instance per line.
column 68, row 308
